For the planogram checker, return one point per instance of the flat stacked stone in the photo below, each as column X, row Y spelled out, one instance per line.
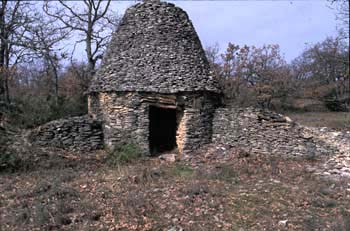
column 338, row 166
column 155, row 58
column 263, row 131
column 76, row 133
column 155, row 49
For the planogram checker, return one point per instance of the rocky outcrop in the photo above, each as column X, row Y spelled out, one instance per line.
column 262, row 131
column 76, row 133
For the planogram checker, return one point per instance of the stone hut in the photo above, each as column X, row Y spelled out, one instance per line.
column 154, row 86
column 154, row 89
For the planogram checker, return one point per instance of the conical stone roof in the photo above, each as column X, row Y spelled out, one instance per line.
column 155, row 49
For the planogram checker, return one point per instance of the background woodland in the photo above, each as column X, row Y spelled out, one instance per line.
column 40, row 80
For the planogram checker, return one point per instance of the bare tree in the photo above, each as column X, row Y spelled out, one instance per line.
column 47, row 37
column 213, row 56
column 15, row 16
column 260, row 74
column 26, row 35
column 323, row 70
column 342, row 8
column 92, row 19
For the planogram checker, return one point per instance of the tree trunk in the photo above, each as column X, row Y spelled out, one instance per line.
column 90, row 58
column 7, row 74
column 2, row 50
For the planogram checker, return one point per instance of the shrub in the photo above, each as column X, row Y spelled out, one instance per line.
column 335, row 105
column 12, row 160
column 124, row 153
column 9, row 161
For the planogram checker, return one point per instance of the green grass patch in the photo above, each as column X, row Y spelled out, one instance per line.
column 226, row 173
column 180, row 170
column 125, row 153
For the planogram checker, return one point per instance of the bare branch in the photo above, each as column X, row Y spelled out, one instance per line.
column 72, row 11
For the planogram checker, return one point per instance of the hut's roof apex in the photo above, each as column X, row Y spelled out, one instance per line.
column 155, row 49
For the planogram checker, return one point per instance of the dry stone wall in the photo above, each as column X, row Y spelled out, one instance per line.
column 193, row 131
column 155, row 49
column 155, row 58
column 125, row 117
column 77, row 133
column 261, row 131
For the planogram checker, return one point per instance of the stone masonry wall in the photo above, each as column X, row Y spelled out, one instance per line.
column 198, row 124
column 77, row 133
column 125, row 117
column 192, row 132
column 261, row 131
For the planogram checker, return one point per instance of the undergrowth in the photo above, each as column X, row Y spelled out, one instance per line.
column 124, row 153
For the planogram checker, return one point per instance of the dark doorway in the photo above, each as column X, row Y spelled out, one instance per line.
column 162, row 129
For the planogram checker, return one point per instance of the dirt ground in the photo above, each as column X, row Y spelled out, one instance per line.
column 219, row 188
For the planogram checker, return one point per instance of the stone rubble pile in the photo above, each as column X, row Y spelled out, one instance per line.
column 76, row 133
column 262, row 131
column 338, row 165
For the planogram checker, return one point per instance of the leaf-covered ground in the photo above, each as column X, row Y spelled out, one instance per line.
column 216, row 189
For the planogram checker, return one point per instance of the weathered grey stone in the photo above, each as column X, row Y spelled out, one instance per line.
column 155, row 49
column 263, row 131
column 125, row 117
column 155, row 58
column 60, row 133
column 168, row 157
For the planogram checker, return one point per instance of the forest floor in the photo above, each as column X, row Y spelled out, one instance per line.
column 216, row 188
column 221, row 189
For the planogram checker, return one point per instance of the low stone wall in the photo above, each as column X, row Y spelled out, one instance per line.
column 261, row 131
column 77, row 133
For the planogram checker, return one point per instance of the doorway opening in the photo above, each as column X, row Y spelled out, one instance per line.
column 162, row 129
